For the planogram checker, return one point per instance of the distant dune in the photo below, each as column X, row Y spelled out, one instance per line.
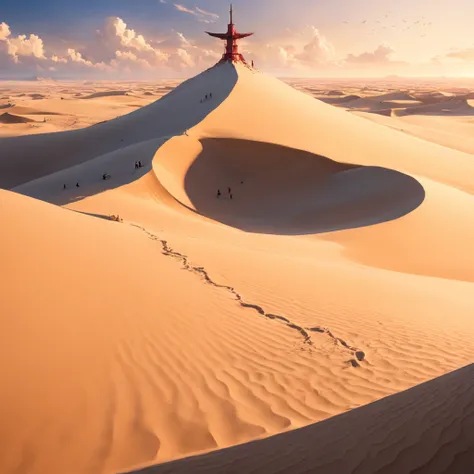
column 9, row 118
column 97, row 95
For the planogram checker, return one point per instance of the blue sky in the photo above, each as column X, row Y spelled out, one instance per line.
column 294, row 37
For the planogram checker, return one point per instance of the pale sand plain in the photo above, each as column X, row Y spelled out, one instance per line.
column 339, row 274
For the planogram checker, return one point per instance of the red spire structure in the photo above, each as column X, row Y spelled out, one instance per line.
column 231, row 38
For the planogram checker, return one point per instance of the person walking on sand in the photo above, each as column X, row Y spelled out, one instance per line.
column 230, row 196
column 64, row 186
column 218, row 193
column 77, row 184
column 210, row 95
column 229, row 190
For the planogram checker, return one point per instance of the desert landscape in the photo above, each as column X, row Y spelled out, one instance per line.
column 235, row 273
column 288, row 264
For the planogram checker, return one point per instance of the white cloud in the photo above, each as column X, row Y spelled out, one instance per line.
column 300, row 51
column 204, row 12
column 380, row 55
column 4, row 31
column 23, row 46
column 466, row 54
column 57, row 59
column 202, row 15
column 183, row 9
column 317, row 51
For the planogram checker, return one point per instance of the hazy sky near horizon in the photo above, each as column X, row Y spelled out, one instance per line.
column 164, row 38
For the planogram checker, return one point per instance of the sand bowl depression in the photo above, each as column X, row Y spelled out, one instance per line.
column 263, row 187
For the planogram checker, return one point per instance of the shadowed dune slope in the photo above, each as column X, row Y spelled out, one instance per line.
column 12, row 118
column 275, row 189
column 428, row 429
column 25, row 158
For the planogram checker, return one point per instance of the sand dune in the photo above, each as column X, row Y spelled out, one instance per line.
column 339, row 273
column 329, row 195
column 32, row 161
column 453, row 107
column 105, row 94
column 397, row 95
column 401, row 433
column 12, row 118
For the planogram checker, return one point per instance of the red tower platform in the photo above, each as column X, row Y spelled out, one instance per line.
column 231, row 38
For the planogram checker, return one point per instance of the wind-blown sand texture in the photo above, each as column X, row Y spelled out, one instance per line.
column 333, row 272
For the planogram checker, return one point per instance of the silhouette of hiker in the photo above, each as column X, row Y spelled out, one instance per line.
column 218, row 193
column 253, row 64
column 64, row 187
column 231, row 196
column 206, row 96
column 230, row 190
column 77, row 185
column 140, row 164
column 210, row 95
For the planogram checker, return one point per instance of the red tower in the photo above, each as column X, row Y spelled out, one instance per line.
column 231, row 38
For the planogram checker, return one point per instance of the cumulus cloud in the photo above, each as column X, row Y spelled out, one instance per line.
column 466, row 54
column 300, row 51
column 23, row 46
column 380, row 55
column 16, row 46
column 317, row 51
column 4, row 31
column 115, row 27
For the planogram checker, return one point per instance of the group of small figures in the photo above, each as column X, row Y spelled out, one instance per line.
column 106, row 176
column 229, row 192
column 206, row 97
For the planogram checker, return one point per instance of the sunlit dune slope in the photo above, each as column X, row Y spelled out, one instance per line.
column 426, row 430
column 117, row 357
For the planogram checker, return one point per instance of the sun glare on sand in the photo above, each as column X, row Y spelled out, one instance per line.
column 189, row 267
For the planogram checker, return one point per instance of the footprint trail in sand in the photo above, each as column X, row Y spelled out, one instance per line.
column 358, row 355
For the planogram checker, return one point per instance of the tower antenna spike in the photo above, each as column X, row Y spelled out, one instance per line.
column 231, row 15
